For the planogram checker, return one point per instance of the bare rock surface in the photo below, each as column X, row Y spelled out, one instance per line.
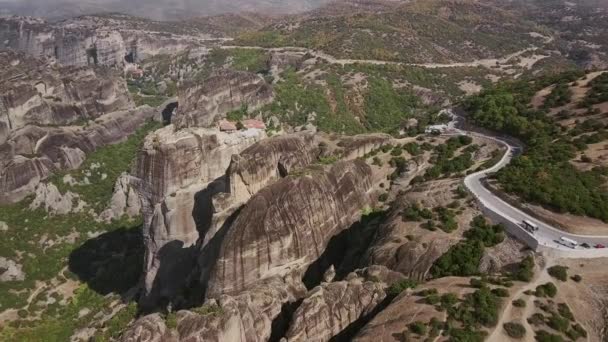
column 125, row 200
column 38, row 93
column 32, row 154
column 172, row 169
column 109, row 40
column 203, row 104
column 151, row 328
column 287, row 225
column 330, row 308
column 49, row 198
column 392, row 322
column 10, row 270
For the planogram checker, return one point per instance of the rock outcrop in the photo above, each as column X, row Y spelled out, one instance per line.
column 330, row 308
column 247, row 317
column 204, row 104
column 125, row 200
column 174, row 171
column 110, row 40
column 151, row 328
column 49, row 198
column 33, row 153
column 34, row 92
column 287, row 225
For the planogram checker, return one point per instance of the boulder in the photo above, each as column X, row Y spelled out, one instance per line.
column 54, row 202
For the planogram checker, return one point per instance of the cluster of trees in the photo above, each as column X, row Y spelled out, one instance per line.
column 543, row 174
column 444, row 161
column 463, row 259
column 598, row 93
column 559, row 96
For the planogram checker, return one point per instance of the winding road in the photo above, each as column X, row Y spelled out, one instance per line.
column 547, row 236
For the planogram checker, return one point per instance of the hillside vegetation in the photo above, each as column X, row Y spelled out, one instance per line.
column 545, row 174
column 423, row 31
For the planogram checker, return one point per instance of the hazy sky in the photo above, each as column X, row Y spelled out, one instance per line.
column 158, row 9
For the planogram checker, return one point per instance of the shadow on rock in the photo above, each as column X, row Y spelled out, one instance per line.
column 111, row 262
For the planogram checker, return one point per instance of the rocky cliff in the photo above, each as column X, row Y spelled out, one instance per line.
column 34, row 92
column 331, row 308
column 174, row 170
column 287, row 225
column 110, row 40
column 32, row 153
column 203, row 104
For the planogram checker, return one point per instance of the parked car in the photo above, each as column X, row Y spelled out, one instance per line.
column 599, row 245
column 585, row 245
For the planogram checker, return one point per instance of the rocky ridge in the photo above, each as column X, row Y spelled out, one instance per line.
column 97, row 40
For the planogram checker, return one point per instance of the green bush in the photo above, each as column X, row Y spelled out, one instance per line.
column 559, row 272
column 171, row 320
column 418, row 328
column 400, row 286
column 525, row 270
column 548, row 289
column 500, row 292
column 514, row 330
column 577, row 278
column 558, row 323
column 543, row 336
column 463, row 259
column 564, row 310
column 519, row 303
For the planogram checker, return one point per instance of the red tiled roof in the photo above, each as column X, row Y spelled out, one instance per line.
column 251, row 123
column 226, row 125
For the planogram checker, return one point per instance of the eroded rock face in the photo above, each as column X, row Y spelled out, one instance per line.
column 204, row 104
column 267, row 161
column 172, row 169
column 151, row 328
column 247, row 317
column 330, row 308
column 110, row 40
column 31, row 154
column 38, row 93
column 49, row 198
column 125, row 200
column 286, row 226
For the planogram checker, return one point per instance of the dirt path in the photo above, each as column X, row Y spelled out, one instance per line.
column 497, row 334
column 488, row 63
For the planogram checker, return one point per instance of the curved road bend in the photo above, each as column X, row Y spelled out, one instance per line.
column 546, row 236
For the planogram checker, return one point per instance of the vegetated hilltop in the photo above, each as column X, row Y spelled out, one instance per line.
column 562, row 119
column 581, row 26
column 422, row 31
column 156, row 9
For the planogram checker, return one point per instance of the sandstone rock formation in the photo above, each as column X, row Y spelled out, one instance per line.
column 203, row 104
column 49, row 198
column 10, row 270
column 247, row 317
column 125, row 200
column 151, row 328
column 32, row 153
column 330, row 308
column 287, row 225
column 35, row 92
column 172, row 169
column 391, row 323
column 110, row 40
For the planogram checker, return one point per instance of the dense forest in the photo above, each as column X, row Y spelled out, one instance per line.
column 543, row 174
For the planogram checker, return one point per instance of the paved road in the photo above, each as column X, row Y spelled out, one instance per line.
column 546, row 235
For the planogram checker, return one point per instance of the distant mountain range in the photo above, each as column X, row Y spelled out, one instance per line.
column 155, row 9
